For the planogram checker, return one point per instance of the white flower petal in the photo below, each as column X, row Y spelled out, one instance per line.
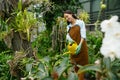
column 111, row 42
column 114, row 19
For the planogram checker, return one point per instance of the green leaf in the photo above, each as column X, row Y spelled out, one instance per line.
column 63, row 66
column 115, row 68
column 28, row 34
column 47, row 59
column 89, row 67
column 47, row 78
column 28, row 67
column 72, row 76
column 20, row 5
column 41, row 75
column 41, row 67
column 107, row 63
column 112, row 76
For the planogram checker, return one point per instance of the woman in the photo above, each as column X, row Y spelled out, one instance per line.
column 77, row 33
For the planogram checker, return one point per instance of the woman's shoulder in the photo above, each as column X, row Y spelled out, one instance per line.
column 81, row 22
column 78, row 20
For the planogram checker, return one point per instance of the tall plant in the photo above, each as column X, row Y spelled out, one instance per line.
column 16, row 28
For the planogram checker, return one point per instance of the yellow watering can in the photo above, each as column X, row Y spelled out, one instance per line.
column 71, row 48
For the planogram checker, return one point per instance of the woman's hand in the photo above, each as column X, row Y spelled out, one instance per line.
column 78, row 48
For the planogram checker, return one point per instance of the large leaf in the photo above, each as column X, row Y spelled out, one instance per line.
column 72, row 76
column 62, row 67
column 41, row 67
column 112, row 76
column 107, row 63
column 28, row 67
column 89, row 67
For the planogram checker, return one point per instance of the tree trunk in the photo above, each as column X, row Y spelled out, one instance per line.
column 19, row 43
column 21, row 48
column 54, row 37
column 58, row 38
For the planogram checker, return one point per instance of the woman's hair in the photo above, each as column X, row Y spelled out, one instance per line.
column 70, row 12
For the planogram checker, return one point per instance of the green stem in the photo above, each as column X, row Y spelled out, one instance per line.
column 98, row 18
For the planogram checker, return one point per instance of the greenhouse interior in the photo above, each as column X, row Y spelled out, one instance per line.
column 59, row 39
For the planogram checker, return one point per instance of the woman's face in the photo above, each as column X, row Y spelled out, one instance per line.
column 68, row 17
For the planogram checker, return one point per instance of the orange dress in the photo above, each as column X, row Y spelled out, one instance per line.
column 82, row 57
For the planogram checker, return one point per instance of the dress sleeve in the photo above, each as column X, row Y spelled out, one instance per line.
column 82, row 29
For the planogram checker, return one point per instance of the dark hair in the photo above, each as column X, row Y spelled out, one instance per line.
column 70, row 12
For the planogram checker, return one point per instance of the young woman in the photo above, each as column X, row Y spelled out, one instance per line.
column 77, row 33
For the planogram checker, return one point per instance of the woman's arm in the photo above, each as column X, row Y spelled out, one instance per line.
column 79, row 46
column 83, row 36
column 81, row 41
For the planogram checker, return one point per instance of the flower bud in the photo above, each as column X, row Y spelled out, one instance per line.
column 103, row 6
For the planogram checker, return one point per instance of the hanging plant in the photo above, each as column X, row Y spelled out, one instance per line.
column 24, row 21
